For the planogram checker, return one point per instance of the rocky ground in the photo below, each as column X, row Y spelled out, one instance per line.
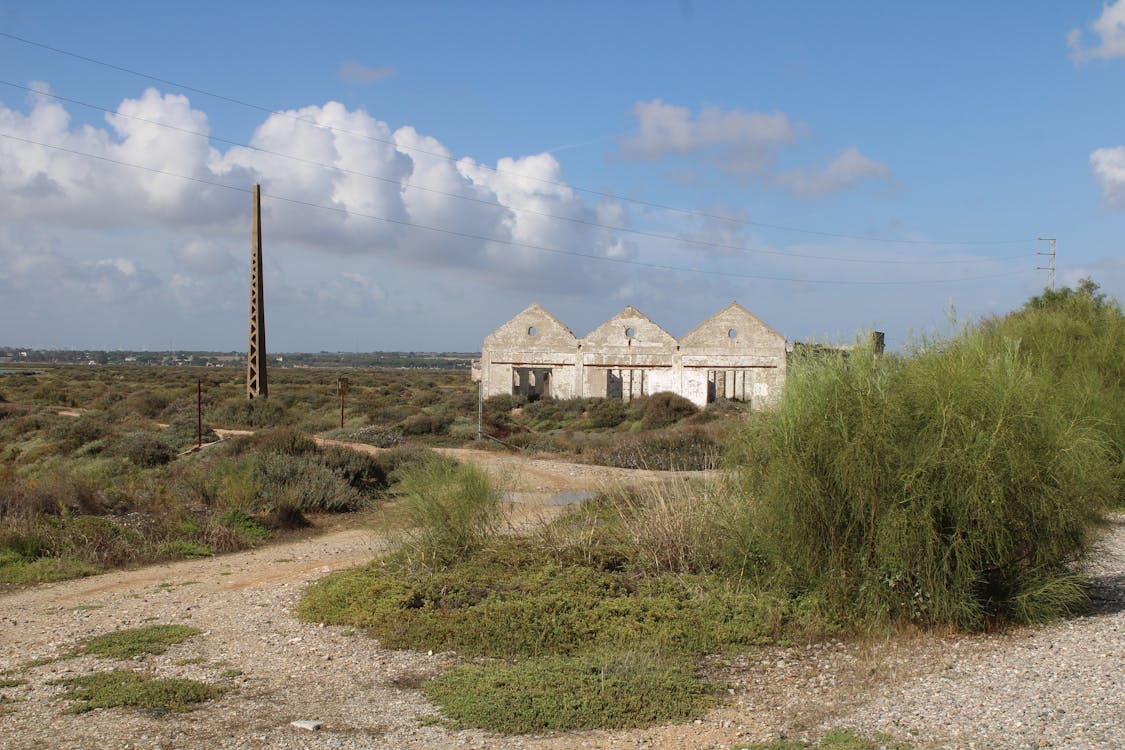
column 1061, row 686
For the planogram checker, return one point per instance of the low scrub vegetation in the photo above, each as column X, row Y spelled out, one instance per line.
column 127, row 644
column 960, row 485
column 123, row 687
column 609, row 689
column 69, row 508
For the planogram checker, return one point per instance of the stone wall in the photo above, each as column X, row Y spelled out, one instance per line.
column 732, row 354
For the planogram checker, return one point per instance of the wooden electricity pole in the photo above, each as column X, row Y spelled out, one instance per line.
column 256, row 385
column 342, row 390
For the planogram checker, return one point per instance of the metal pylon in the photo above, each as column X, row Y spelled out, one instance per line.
column 256, row 386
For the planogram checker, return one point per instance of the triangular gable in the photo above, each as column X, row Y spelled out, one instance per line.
column 533, row 328
column 629, row 328
column 745, row 325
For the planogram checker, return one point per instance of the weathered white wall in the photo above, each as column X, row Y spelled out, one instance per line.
column 737, row 342
column 633, row 348
column 736, row 352
column 534, row 338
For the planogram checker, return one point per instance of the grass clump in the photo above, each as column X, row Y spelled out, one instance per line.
column 135, row 689
column 957, row 486
column 126, row 644
column 606, row 690
column 22, row 571
column 145, row 449
column 451, row 508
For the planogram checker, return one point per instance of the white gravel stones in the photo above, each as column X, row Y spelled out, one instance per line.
column 1061, row 686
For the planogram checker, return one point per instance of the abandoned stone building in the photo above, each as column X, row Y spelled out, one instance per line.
column 730, row 355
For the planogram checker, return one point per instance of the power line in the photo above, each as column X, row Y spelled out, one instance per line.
column 496, row 170
column 522, row 209
column 505, row 242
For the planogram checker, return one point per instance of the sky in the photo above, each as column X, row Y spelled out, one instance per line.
column 429, row 169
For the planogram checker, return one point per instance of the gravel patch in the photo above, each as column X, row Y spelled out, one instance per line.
column 1061, row 686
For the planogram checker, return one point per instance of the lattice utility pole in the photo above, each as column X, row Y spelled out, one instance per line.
column 256, row 386
column 1050, row 267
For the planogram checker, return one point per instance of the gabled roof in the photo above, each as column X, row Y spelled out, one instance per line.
column 644, row 330
column 733, row 315
column 548, row 330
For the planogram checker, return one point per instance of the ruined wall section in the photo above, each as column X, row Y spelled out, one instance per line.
column 627, row 356
column 732, row 354
column 533, row 340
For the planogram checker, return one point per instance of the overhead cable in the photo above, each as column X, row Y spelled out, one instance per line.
column 507, row 173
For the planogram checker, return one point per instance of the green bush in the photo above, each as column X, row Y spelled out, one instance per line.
column 377, row 435
column 1077, row 337
column 955, row 486
column 304, row 482
column 183, row 432
column 662, row 409
column 244, row 525
column 122, row 687
column 452, row 508
column 145, row 449
column 423, row 424
column 683, row 449
column 608, row 412
column 74, row 432
column 360, row 470
column 396, row 461
column 286, row 441
column 250, row 413
column 554, row 413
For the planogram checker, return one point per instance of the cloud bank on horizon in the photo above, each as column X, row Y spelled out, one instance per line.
column 392, row 193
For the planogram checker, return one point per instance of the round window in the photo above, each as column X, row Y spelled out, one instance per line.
column 630, row 333
column 531, row 331
column 732, row 333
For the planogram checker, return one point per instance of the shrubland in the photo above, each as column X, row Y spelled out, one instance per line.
column 76, row 500
column 958, row 485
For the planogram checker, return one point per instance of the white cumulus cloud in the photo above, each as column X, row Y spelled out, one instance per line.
column 334, row 180
column 1108, row 166
column 740, row 142
column 1109, row 28
column 846, row 170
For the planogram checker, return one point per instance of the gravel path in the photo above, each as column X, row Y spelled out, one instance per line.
column 1062, row 686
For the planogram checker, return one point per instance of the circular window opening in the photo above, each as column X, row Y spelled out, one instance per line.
column 732, row 333
column 630, row 333
column 531, row 331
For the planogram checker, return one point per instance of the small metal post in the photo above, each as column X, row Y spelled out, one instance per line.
column 341, row 389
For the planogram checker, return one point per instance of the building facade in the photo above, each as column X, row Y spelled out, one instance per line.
column 732, row 355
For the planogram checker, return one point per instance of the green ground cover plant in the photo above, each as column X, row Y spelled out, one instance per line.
column 126, row 644
column 837, row 739
column 606, row 690
column 122, row 687
column 589, row 631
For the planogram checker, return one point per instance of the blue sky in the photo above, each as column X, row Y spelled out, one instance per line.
column 582, row 155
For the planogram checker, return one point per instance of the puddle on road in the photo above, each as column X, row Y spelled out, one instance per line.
column 569, row 497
